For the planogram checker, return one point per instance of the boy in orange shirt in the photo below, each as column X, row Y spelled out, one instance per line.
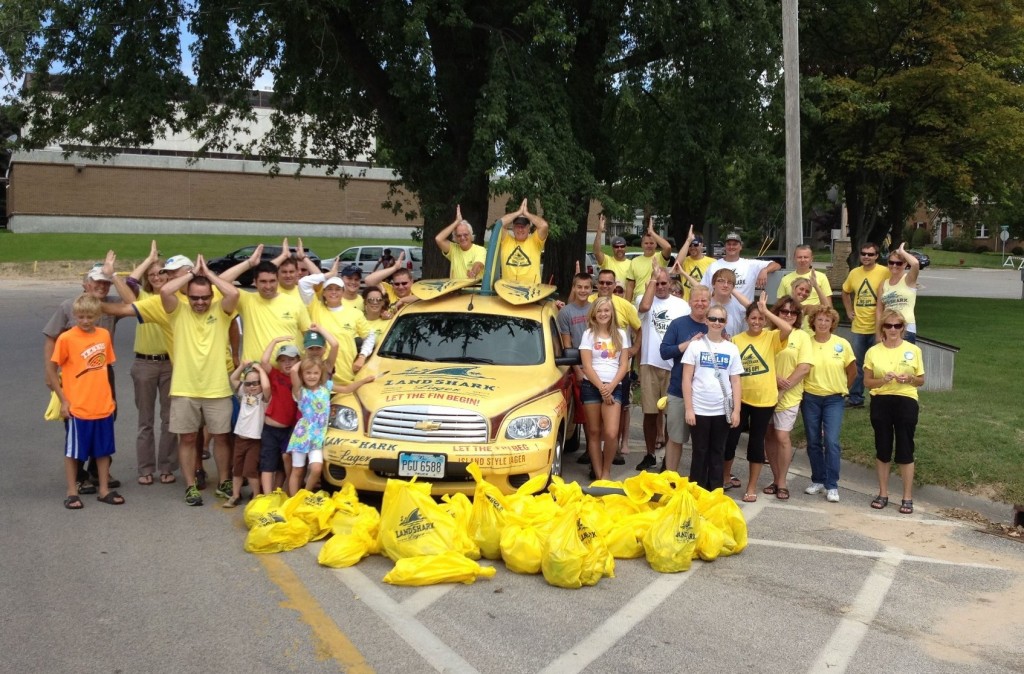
column 77, row 373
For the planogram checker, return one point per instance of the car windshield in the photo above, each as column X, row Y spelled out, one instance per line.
column 465, row 338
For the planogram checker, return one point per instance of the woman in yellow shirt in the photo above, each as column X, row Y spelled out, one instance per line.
column 375, row 303
column 760, row 390
column 833, row 369
column 893, row 370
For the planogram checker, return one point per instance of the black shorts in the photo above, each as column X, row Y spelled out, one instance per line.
column 273, row 443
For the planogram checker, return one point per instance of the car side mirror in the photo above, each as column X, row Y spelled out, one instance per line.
column 568, row 357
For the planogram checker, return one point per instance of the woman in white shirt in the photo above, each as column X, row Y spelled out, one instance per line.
column 602, row 352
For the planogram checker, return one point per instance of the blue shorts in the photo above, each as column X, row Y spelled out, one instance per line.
column 592, row 396
column 88, row 438
column 273, row 443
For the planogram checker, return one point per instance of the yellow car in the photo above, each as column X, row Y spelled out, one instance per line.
column 460, row 378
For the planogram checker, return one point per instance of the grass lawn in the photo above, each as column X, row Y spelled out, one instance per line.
column 970, row 438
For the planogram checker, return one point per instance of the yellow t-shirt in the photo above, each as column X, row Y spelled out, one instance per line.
column 620, row 267
column 153, row 337
column 828, row 367
column 345, row 323
column 903, row 359
column 463, row 260
column 796, row 350
column 264, row 320
column 757, row 354
column 640, row 272
column 696, row 269
column 293, row 291
column 625, row 312
column 378, row 325
column 786, row 287
column 150, row 310
column 199, row 346
column 863, row 286
column 520, row 261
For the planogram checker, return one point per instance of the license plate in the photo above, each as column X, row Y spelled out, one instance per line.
column 421, row 465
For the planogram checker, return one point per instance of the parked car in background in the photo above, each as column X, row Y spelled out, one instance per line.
column 923, row 259
column 220, row 264
column 366, row 258
column 718, row 250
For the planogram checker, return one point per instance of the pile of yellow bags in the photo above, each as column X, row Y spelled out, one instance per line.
column 570, row 537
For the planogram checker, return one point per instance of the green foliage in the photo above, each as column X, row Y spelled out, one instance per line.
column 920, row 237
column 1017, row 250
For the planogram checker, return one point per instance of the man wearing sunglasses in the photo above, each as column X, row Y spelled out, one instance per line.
column 399, row 288
column 617, row 262
column 695, row 263
column 860, row 298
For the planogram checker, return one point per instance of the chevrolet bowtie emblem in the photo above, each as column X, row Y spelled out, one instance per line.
column 428, row 426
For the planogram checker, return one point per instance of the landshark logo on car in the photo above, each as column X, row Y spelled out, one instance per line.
column 468, row 372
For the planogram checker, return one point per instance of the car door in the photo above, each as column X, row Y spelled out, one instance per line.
column 368, row 257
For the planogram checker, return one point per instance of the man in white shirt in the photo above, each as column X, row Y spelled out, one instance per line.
column 750, row 274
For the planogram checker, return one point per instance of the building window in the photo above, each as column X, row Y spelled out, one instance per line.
column 980, row 231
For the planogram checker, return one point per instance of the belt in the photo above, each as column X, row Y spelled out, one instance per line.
column 146, row 356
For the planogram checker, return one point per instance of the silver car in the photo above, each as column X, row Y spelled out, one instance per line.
column 366, row 258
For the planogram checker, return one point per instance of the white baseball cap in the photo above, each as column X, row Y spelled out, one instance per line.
column 176, row 262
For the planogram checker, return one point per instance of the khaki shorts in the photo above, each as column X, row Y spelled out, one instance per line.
column 784, row 420
column 653, row 386
column 188, row 415
column 675, row 421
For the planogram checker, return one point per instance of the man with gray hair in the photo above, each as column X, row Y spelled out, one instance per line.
column 467, row 258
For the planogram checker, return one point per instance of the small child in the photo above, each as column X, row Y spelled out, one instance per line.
column 282, row 413
column 78, row 373
column 311, row 389
column 252, row 388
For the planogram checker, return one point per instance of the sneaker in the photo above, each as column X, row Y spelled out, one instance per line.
column 193, row 497
column 849, row 404
column 223, row 489
column 832, row 495
column 619, row 460
column 201, row 479
column 815, row 488
column 647, row 462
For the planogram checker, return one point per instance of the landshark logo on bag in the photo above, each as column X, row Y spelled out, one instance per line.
column 412, row 526
column 495, row 503
column 685, row 532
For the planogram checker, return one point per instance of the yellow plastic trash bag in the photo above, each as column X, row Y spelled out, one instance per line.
column 522, row 544
column 574, row 555
column 710, row 541
column 671, row 540
column 565, row 493
column 625, row 539
column 355, row 516
column 273, row 533
column 261, row 505
column 52, row 412
column 316, row 510
column 448, row 567
column 487, row 518
column 643, row 488
column 460, row 509
column 722, row 512
column 346, row 498
column 412, row 524
column 342, row 550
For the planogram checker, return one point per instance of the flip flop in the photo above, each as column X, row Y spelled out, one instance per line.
column 782, row 494
column 734, row 482
column 73, row 502
column 167, row 478
column 146, row 479
column 112, row 498
column 749, row 498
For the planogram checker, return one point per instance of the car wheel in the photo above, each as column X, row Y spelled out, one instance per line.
column 556, row 458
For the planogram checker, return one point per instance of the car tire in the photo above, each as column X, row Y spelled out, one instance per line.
column 557, row 454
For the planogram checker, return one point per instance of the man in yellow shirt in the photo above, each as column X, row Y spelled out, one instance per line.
column 695, row 263
column 618, row 262
column 467, row 258
column 803, row 258
column 398, row 289
column 520, row 249
column 860, row 297
column 640, row 268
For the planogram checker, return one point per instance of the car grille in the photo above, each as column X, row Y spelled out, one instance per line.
column 435, row 424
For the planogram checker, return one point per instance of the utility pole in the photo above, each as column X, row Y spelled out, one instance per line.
column 791, row 68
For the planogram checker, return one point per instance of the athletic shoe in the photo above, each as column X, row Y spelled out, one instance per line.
column 223, row 489
column 647, row 462
column 815, row 488
column 832, row 496
column 201, row 479
column 619, row 460
column 193, row 497
column 849, row 404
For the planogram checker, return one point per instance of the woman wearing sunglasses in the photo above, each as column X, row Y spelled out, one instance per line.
column 711, row 394
column 893, row 370
column 899, row 291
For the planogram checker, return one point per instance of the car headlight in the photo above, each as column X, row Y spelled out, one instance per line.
column 345, row 419
column 527, row 428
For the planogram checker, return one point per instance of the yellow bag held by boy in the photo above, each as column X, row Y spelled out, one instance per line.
column 574, row 555
column 412, row 524
column 52, row 412
column 273, row 533
column 315, row 510
column 672, row 539
column 342, row 550
column 487, row 518
column 448, row 567
column 261, row 505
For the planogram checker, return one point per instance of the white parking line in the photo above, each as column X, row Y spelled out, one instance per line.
column 847, row 637
column 426, row 596
column 867, row 553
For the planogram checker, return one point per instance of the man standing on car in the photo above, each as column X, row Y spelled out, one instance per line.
column 640, row 267
column 466, row 258
column 520, row 249
column 618, row 262
column 860, row 298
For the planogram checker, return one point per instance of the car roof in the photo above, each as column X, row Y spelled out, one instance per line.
column 459, row 301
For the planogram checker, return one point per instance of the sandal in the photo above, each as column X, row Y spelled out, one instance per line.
column 734, row 481
column 73, row 502
column 770, row 489
column 167, row 478
column 146, row 479
column 86, row 487
column 907, row 506
column 231, row 502
column 880, row 502
column 112, row 498
column 782, row 494
column 749, row 498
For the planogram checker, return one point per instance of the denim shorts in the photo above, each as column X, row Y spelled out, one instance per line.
column 591, row 395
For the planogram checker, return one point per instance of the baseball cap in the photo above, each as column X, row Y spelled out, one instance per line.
column 521, row 220
column 618, row 241
column 287, row 350
column 734, row 236
column 311, row 338
column 96, row 274
column 334, row 281
column 176, row 262
column 351, row 270
column 697, row 241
